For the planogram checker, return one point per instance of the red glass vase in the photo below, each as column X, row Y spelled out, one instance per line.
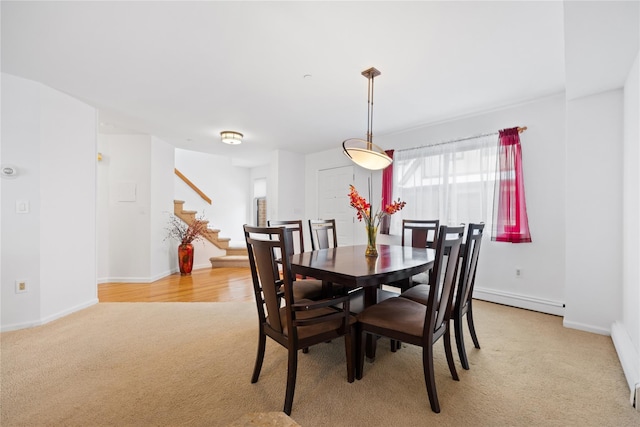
column 185, row 259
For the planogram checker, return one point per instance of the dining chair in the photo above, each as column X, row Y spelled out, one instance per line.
column 297, row 233
column 324, row 236
column 424, row 232
column 411, row 322
column 462, row 304
column 323, row 233
column 294, row 324
column 304, row 287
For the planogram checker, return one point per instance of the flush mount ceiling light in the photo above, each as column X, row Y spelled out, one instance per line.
column 230, row 137
column 366, row 153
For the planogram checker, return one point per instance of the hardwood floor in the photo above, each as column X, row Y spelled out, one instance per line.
column 204, row 285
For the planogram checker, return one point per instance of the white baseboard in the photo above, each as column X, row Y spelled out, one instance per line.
column 629, row 358
column 586, row 327
column 159, row 276
column 520, row 301
column 44, row 320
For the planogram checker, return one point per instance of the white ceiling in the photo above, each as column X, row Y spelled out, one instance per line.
column 184, row 71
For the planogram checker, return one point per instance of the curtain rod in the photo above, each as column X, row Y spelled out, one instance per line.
column 520, row 130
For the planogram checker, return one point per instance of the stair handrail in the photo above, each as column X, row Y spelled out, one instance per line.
column 192, row 185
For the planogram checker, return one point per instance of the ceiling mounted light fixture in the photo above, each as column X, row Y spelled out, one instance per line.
column 366, row 153
column 230, row 137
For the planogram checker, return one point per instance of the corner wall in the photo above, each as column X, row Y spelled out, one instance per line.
column 593, row 199
column 51, row 139
column 625, row 331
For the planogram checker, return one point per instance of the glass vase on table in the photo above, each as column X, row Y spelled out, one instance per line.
column 372, row 232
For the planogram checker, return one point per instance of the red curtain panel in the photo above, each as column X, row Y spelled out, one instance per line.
column 510, row 222
column 387, row 193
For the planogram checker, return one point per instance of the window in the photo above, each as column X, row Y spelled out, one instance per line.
column 452, row 182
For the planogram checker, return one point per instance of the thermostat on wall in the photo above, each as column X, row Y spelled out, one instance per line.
column 9, row 171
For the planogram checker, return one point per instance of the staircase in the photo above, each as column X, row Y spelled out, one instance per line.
column 234, row 257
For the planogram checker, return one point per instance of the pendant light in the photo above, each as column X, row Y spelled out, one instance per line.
column 366, row 153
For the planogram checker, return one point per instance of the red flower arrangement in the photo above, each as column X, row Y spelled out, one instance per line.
column 363, row 209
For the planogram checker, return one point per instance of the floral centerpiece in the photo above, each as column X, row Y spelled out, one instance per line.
column 371, row 221
column 186, row 234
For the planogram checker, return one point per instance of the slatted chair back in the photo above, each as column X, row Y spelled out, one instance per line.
column 323, row 233
column 424, row 233
column 464, row 297
column 469, row 265
column 441, row 291
column 264, row 246
column 295, row 229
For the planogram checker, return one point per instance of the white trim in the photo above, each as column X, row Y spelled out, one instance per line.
column 146, row 279
column 16, row 326
column 520, row 301
column 628, row 355
column 586, row 327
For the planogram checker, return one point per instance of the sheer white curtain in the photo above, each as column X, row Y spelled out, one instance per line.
column 452, row 181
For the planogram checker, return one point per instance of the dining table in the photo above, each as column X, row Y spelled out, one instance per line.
column 349, row 267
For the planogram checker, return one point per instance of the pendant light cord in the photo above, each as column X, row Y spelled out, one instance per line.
column 370, row 110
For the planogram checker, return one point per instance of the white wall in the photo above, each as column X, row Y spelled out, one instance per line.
column 51, row 139
column 128, row 158
column 163, row 256
column 594, row 211
column 288, row 168
column 257, row 173
column 626, row 329
column 135, row 194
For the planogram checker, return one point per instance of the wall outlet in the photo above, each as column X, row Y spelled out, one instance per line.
column 21, row 286
column 518, row 272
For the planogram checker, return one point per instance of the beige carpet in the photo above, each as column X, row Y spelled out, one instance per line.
column 174, row 364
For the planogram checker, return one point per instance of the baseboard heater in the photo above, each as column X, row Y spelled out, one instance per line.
column 520, row 301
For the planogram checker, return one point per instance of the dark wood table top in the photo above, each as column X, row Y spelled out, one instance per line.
column 349, row 266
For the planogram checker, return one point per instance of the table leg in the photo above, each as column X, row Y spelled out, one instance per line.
column 370, row 298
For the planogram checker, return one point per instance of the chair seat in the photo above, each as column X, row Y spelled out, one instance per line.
column 418, row 293
column 420, row 278
column 397, row 314
column 356, row 304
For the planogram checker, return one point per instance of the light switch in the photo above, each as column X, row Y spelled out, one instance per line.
column 22, row 206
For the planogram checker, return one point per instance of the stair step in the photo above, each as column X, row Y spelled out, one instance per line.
column 188, row 216
column 229, row 261
column 237, row 250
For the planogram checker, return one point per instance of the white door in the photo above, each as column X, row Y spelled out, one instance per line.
column 333, row 201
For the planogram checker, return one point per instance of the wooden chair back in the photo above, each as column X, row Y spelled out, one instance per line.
column 424, row 233
column 264, row 247
column 294, row 227
column 441, row 290
column 468, row 266
column 323, row 233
